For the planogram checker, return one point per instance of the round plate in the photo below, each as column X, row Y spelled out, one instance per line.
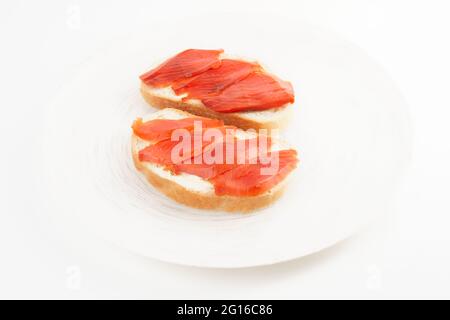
column 349, row 126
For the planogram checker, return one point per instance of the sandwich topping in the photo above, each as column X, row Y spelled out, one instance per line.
column 161, row 129
column 184, row 65
column 223, row 85
column 233, row 164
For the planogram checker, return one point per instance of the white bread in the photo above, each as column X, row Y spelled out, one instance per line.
column 266, row 119
column 191, row 190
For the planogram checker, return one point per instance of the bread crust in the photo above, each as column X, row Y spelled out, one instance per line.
column 208, row 201
column 199, row 109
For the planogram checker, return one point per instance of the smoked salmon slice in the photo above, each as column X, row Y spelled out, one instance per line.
column 184, row 65
column 258, row 91
column 233, row 153
column 187, row 145
column 222, row 85
column 235, row 165
column 162, row 129
column 214, row 81
column 248, row 180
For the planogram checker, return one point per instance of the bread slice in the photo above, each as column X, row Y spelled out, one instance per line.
column 192, row 190
column 266, row 119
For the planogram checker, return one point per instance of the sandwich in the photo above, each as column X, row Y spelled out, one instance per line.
column 211, row 84
column 206, row 163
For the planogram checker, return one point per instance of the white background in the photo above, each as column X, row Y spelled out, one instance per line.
column 407, row 256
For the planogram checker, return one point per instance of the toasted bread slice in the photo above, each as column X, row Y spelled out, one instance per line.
column 192, row 190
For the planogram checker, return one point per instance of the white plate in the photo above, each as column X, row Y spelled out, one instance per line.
column 350, row 127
